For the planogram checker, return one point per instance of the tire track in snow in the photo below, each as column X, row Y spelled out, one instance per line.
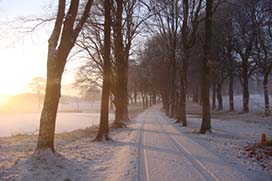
column 200, row 167
column 142, row 167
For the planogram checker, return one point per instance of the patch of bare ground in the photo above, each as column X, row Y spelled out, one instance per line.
column 258, row 153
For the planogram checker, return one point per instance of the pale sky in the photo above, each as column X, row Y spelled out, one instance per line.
column 23, row 55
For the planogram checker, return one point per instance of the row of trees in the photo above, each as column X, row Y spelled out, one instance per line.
column 104, row 33
column 165, row 60
column 192, row 47
column 197, row 46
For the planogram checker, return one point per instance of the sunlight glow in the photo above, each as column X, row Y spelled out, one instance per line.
column 3, row 99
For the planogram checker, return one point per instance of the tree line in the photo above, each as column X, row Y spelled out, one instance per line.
column 192, row 47
column 199, row 47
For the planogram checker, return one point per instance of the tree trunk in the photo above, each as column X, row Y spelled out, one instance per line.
column 266, row 94
column 143, row 101
column 183, row 94
column 60, row 44
column 103, row 132
column 245, row 87
column 49, row 111
column 206, row 114
column 135, row 96
column 125, row 90
column 173, row 84
column 196, row 95
column 150, row 100
column 231, row 100
column 121, row 90
column 165, row 100
column 146, row 100
column 213, row 94
column 219, row 96
column 154, row 97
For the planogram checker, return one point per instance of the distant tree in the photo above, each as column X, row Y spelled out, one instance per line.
column 128, row 18
column 191, row 20
column 262, row 51
column 167, row 25
column 67, row 26
column 244, row 27
column 37, row 85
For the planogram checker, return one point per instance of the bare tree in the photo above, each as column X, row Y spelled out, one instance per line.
column 104, row 111
column 244, row 36
column 205, row 85
column 167, row 24
column 191, row 12
column 60, row 43
column 262, row 53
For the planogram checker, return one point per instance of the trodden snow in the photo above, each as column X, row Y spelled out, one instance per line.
column 151, row 148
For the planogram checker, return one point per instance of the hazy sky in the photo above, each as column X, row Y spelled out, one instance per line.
column 23, row 55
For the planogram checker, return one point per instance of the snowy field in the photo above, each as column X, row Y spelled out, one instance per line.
column 256, row 103
column 71, row 116
column 28, row 123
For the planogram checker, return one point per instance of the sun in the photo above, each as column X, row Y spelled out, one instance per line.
column 3, row 99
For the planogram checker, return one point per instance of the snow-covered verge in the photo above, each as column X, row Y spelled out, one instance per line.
column 256, row 102
column 77, row 158
column 232, row 134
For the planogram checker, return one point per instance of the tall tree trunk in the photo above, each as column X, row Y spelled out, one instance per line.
column 245, row 86
column 143, row 101
column 103, row 132
column 173, row 83
column 266, row 94
column 60, row 44
column 183, row 93
column 166, row 102
column 146, row 100
column 219, row 96
column 196, row 95
column 120, row 66
column 135, row 96
column 154, row 98
column 49, row 111
column 111, row 101
column 213, row 93
column 206, row 114
column 231, row 94
column 125, row 90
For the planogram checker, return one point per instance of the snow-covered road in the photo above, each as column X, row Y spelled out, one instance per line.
column 165, row 153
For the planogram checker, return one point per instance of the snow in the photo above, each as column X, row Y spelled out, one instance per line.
column 77, row 158
column 71, row 116
column 153, row 147
column 256, row 102
column 26, row 123
column 172, row 152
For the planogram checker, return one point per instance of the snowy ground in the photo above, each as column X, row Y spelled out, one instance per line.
column 79, row 158
column 151, row 148
column 28, row 123
column 256, row 102
column 71, row 116
column 170, row 152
